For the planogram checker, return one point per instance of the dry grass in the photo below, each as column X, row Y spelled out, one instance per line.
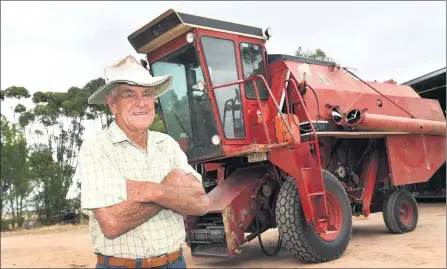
column 46, row 229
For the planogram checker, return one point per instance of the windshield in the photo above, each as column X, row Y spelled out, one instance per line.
column 187, row 111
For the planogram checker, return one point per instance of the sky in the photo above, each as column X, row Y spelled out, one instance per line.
column 52, row 46
column 55, row 45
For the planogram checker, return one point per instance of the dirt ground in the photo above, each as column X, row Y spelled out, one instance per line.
column 371, row 246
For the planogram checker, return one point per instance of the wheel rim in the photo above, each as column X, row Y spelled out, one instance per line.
column 335, row 218
column 406, row 213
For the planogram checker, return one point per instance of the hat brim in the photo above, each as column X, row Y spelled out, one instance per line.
column 160, row 83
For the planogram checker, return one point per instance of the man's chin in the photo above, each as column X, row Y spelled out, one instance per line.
column 142, row 125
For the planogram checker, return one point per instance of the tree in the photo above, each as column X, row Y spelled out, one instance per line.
column 6, row 180
column 49, row 175
column 14, row 155
column 318, row 54
column 15, row 180
column 158, row 124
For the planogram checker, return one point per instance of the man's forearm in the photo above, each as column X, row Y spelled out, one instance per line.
column 188, row 199
column 119, row 219
column 183, row 194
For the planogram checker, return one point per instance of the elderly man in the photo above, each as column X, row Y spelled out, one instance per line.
column 136, row 184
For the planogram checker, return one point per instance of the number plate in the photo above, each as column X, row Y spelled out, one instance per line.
column 257, row 157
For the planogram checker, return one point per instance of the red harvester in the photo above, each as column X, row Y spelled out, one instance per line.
column 286, row 142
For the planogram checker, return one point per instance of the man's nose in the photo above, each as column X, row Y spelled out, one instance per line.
column 139, row 101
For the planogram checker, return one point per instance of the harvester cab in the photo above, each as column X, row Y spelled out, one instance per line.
column 205, row 115
column 287, row 142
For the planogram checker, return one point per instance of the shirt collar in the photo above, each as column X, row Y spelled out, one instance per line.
column 117, row 135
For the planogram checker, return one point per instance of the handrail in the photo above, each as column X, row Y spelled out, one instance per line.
column 252, row 78
column 317, row 148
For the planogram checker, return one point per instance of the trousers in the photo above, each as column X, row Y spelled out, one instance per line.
column 179, row 263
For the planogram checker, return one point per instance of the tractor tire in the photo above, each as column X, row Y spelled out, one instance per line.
column 301, row 239
column 400, row 212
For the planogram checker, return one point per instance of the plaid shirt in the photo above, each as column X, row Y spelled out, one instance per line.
column 105, row 161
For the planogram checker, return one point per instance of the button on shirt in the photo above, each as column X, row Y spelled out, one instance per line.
column 104, row 163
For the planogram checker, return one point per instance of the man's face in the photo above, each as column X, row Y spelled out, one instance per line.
column 133, row 106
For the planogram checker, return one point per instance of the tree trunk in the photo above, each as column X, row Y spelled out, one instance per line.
column 11, row 200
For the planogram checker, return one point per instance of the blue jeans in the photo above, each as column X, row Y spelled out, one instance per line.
column 179, row 263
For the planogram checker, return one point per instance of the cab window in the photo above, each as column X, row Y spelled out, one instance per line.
column 220, row 56
column 253, row 64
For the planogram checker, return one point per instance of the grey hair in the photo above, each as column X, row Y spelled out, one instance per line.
column 113, row 92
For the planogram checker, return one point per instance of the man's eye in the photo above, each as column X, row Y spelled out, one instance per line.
column 127, row 95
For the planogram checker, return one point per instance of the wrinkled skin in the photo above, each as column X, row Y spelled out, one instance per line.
column 134, row 110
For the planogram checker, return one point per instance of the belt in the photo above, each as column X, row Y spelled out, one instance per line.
column 145, row 263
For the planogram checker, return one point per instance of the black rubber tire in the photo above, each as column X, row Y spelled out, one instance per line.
column 391, row 212
column 301, row 239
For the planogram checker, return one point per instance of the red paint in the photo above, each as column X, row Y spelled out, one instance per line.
column 184, row 142
column 212, row 166
column 308, row 118
column 335, row 218
column 414, row 158
column 232, row 199
column 298, row 162
column 368, row 177
column 375, row 122
column 406, row 213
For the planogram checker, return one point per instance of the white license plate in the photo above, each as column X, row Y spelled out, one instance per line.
column 257, row 157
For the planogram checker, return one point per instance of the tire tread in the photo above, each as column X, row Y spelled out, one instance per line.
column 389, row 211
column 301, row 248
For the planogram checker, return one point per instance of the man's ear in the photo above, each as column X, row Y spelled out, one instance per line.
column 111, row 103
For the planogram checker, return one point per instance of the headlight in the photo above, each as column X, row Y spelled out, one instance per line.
column 215, row 139
column 190, row 37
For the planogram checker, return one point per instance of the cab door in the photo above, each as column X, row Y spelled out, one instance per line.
column 229, row 58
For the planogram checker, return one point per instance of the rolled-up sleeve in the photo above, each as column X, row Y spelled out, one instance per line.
column 102, row 185
column 181, row 160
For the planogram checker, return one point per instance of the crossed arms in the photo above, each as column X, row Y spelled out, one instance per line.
column 179, row 192
column 104, row 192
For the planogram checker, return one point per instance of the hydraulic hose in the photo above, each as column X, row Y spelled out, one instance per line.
column 257, row 219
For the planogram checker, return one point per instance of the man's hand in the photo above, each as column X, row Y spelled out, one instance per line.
column 183, row 194
column 143, row 191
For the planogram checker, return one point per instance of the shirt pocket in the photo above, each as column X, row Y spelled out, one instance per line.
column 159, row 168
column 131, row 164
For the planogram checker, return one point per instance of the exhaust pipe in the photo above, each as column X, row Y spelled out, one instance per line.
column 375, row 122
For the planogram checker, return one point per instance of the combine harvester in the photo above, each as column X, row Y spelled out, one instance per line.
column 286, row 142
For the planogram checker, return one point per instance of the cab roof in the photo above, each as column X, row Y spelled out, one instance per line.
column 172, row 24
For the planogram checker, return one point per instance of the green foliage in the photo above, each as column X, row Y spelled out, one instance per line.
column 19, row 108
column 49, row 175
column 158, row 125
column 5, row 224
column 101, row 112
column 318, row 54
column 15, row 169
column 16, row 92
column 25, row 118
